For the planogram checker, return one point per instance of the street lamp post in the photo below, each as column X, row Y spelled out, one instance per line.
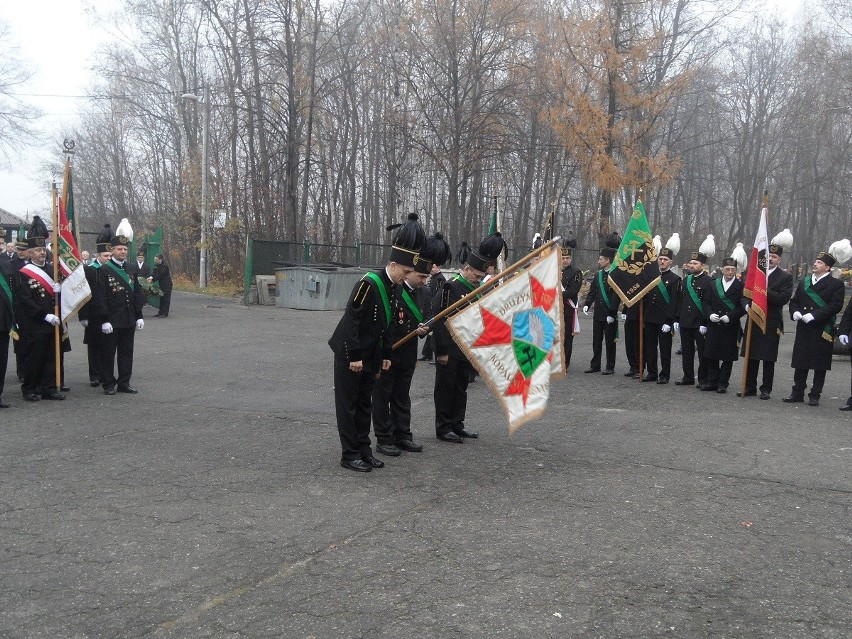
column 205, row 124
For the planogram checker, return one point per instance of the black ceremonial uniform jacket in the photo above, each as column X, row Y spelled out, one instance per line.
column 602, row 311
column 721, row 338
column 689, row 315
column 89, row 312
column 572, row 281
column 814, row 341
column 657, row 310
column 116, row 301
column 454, row 289
column 134, row 270
column 780, row 290
column 362, row 333
column 33, row 302
column 404, row 321
column 845, row 327
column 7, row 316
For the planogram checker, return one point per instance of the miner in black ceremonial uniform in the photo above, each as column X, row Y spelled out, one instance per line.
column 8, row 327
column 844, row 334
column 723, row 310
column 764, row 346
column 453, row 370
column 118, row 300
column 429, row 295
column 93, row 337
column 362, row 347
column 690, row 321
column 572, row 281
column 661, row 305
column 606, row 302
column 36, row 301
column 816, row 302
column 21, row 257
column 392, row 392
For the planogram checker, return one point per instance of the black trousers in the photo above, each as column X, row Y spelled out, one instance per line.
column 392, row 404
column 4, row 357
column 603, row 332
column 656, row 340
column 751, row 376
column 117, row 345
column 631, row 343
column 451, row 381
column 692, row 341
column 428, row 352
column 165, row 302
column 40, row 364
column 718, row 372
column 567, row 345
column 800, row 383
column 352, row 404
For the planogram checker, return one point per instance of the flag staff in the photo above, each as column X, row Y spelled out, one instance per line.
column 484, row 287
column 55, row 245
column 641, row 322
column 750, row 322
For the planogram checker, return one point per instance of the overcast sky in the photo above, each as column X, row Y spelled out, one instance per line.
column 58, row 39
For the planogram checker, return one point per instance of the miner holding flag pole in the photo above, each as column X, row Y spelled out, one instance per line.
column 635, row 271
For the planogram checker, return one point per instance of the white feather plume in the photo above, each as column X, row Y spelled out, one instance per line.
column 536, row 238
column 740, row 256
column 784, row 239
column 658, row 244
column 841, row 251
column 674, row 244
column 708, row 246
column 125, row 229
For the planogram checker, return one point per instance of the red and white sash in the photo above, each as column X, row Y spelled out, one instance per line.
column 39, row 276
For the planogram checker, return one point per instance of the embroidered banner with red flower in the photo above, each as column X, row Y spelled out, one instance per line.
column 513, row 336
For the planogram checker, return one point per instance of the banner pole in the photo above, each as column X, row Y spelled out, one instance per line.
column 484, row 287
column 747, row 353
column 56, row 332
column 641, row 337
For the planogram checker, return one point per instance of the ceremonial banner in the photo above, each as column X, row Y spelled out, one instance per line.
column 757, row 281
column 75, row 286
column 513, row 336
column 68, row 199
column 635, row 270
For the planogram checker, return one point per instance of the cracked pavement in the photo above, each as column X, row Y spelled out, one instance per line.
column 212, row 503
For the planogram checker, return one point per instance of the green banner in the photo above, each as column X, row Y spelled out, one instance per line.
column 635, row 270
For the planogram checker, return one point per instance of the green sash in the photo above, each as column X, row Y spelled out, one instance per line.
column 373, row 277
column 722, row 296
column 412, row 306
column 5, row 286
column 693, row 294
column 829, row 328
column 603, row 288
column 664, row 291
column 121, row 273
column 470, row 287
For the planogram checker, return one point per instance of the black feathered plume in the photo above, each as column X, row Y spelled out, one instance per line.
column 570, row 241
column 436, row 250
column 37, row 229
column 492, row 246
column 410, row 235
column 463, row 253
column 105, row 234
column 613, row 240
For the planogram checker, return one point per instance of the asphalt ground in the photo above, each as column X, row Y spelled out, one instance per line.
column 212, row 504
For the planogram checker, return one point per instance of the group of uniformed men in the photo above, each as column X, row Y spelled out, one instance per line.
column 372, row 382
column 29, row 299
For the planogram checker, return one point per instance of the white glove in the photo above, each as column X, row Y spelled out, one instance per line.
column 844, row 339
column 106, row 328
column 808, row 318
column 585, row 310
column 725, row 319
column 797, row 316
column 140, row 324
column 57, row 287
column 677, row 327
column 85, row 323
column 610, row 319
column 702, row 330
column 51, row 319
column 747, row 306
column 624, row 317
column 714, row 318
column 666, row 328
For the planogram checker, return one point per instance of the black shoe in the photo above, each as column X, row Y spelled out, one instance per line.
column 64, row 389
column 56, row 395
column 373, row 462
column 32, row 397
column 630, row 373
column 650, row 378
column 2, row 405
column 685, row 382
column 94, row 382
column 423, row 359
column 663, row 380
column 813, row 401
column 721, row 390
column 793, row 399
column 708, row 387
column 388, row 449
column 451, row 437
column 358, row 465
column 847, row 407
column 127, row 389
column 109, row 391
column 593, row 370
column 764, row 395
column 467, row 434
column 748, row 393
column 608, row 371
column 410, row 446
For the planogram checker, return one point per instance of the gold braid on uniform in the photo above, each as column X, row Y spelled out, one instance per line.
column 361, row 295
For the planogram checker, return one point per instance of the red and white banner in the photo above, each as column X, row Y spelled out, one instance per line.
column 75, row 286
column 513, row 336
column 757, row 281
